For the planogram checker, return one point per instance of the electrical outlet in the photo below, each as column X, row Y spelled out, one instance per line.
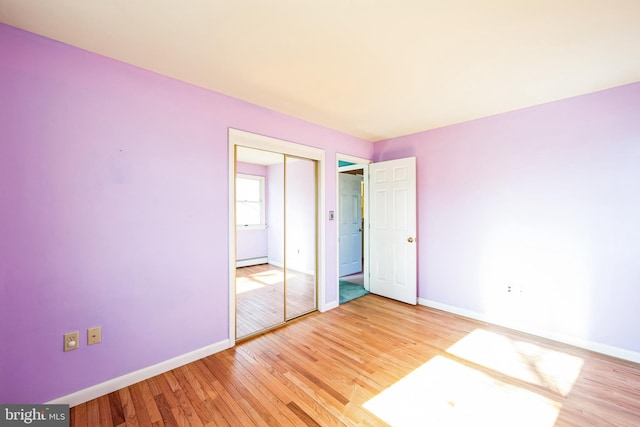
column 71, row 341
column 94, row 335
column 513, row 289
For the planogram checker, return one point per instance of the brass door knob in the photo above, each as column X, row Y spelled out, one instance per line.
column 410, row 240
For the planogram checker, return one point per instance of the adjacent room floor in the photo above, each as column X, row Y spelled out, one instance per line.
column 352, row 287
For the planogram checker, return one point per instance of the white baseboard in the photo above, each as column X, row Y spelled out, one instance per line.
column 576, row 342
column 276, row 263
column 126, row 380
column 251, row 261
column 328, row 306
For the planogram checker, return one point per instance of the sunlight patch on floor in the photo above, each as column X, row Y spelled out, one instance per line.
column 529, row 362
column 443, row 392
column 260, row 280
column 246, row 284
column 271, row 277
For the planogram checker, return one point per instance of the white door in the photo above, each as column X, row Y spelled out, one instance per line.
column 392, row 190
column 350, row 227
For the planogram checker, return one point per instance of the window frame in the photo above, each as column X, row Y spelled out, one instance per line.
column 262, row 203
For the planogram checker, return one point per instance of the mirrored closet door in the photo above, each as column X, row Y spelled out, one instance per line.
column 300, row 236
column 276, row 234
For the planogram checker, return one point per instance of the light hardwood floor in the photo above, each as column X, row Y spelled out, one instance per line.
column 374, row 361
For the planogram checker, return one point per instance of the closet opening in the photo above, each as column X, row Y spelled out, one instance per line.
column 275, row 234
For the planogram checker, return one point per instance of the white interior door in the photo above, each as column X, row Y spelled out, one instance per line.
column 350, row 227
column 393, row 247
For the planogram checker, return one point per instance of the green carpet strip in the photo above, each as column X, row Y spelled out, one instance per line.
column 350, row 291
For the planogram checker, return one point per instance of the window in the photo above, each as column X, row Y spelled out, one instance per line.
column 249, row 201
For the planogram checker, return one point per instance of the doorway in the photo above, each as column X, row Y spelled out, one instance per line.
column 389, row 242
column 275, row 233
column 352, row 217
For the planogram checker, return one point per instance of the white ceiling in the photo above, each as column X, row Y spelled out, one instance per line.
column 371, row 68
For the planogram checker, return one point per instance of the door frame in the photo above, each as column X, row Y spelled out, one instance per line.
column 253, row 140
column 359, row 163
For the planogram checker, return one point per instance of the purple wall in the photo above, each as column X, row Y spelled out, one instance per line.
column 113, row 212
column 275, row 213
column 251, row 244
column 300, row 215
column 546, row 199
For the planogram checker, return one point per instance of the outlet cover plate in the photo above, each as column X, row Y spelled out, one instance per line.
column 94, row 335
column 71, row 341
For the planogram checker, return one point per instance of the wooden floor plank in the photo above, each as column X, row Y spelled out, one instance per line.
column 143, row 408
column 93, row 412
column 149, row 402
column 117, row 412
column 127, row 407
column 189, row 385
column 221, row 414
column 229, row 397
column 79, row 415
column 329, row 369
column 165, row 410
column 304, row 417
column 304, row 398
column 105, row 411
column 259, row 393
